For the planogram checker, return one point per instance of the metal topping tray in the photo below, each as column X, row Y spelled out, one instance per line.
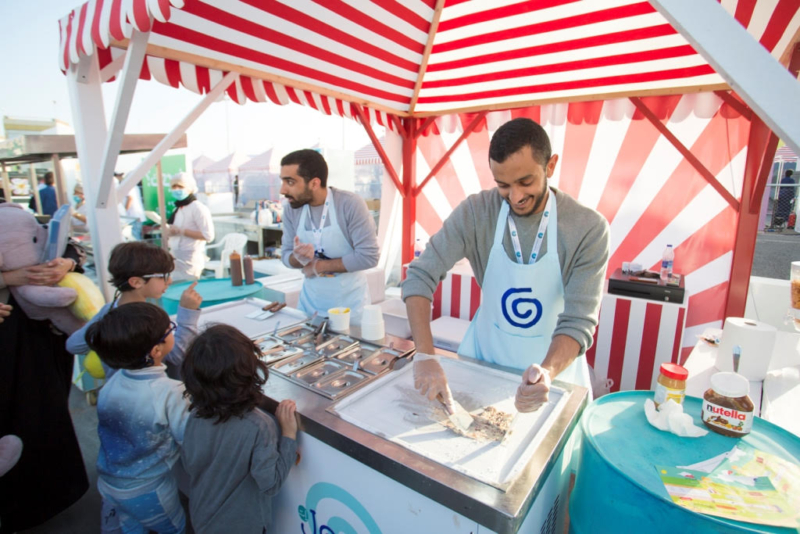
column 294, row 334
column 343, row 382
column 279, row 352
column 379, row 361
column 318, row 371
column 310, row 342
column 359, row 352
column 294, row 363
column 336, row 345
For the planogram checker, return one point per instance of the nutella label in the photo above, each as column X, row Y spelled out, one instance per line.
column 663, row 394
column 728, row 418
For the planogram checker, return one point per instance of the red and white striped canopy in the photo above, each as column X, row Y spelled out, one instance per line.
column 406, row 57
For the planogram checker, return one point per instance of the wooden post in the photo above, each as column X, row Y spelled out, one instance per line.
column 35, row 188
column 162, row 208
column 410, row 186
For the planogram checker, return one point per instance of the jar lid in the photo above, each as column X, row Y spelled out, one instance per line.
column 674, row 371
column 731, row 385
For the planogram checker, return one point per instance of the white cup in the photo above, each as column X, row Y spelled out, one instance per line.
column 339, row 319
column 372, row 326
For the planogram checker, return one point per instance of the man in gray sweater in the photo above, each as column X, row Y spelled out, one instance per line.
column 329, row 234
column 540, row 259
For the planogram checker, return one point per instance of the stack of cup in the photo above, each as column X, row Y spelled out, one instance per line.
column 372, row 327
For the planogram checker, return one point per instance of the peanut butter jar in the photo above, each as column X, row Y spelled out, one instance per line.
column 727, row 408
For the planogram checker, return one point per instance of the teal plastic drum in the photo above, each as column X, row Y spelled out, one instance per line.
column 618, row 489
column 214, row 291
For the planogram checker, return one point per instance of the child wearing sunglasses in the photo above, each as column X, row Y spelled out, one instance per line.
column 141, row 418
column 141, row 271
column 237, row 456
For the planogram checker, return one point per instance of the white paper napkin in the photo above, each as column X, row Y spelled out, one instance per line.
column 669, row 417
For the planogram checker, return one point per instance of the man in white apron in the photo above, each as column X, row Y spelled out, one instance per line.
column 540, row 258
column 329, row 234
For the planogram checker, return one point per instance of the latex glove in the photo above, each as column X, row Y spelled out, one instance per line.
column 534, row 390
column 303, row 252
column 429, row 379
column 310, row 270
column 190, row 298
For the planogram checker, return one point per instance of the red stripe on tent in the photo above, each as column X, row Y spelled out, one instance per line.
column 500, row 13
column 639, row 141
column 437, row 302
column 578, row 144
column 203, row 79
column 478, row 143
column 607, row 81
column 66, row 41
column 372, row 25
column 426, row 216
column 744, row 11
column 234, row 50
column 676, row 344
column 81, row 25
column 98, row 9
column 173, row 70
column 258, row 31
column 533, row 112
column 164, row 7
column 568, row 66
column 141, row 15
column 247, row 88
column 707, row 306
column 310, row 100
column 619, row 337
column 115, row 24
column 685, row 352
column 432, row 149
column 306, row 21
column 612, row 14
column 340, row 107
column 144, row 73
column 683, row 185
column 325, row 105
column 271, row 94
column 778, row 22
column 104, row 57
column 474, row 298
column 401, row 12
column 647, row 353
column 455, row 296
column 550, row 48
column 293, row 95
column 231, row 90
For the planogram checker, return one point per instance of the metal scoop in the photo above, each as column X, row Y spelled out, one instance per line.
column 460, row 417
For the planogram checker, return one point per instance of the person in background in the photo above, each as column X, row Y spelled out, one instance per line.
column 141, row 418
column 133, row 207
column 47, row 194
column 79, row 213
column 141, row 271
column 189, row 228
column 786, row 196
column 223, row 376
column 329, row 234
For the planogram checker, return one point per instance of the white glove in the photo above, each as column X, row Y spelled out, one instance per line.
column 302, row 252
column 429, row 379
column 310, row 270
column 534, row 390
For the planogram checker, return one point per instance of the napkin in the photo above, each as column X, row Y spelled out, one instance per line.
column 669, row 417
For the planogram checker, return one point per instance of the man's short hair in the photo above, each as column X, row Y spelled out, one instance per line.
column 512, row 136
column 49, row 179
column 137, row 258
column 789, row 172
column 310, row 165
column 124, row 337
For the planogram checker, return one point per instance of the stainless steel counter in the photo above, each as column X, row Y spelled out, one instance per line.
column 500, row 511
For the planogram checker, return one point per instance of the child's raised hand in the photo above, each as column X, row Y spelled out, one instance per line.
column 286, row 417
column 191, row 299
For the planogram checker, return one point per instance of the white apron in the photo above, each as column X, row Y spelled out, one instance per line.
column 521, row 303
column 341, row 290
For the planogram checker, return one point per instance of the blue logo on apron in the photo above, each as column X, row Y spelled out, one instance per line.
column 513, row 308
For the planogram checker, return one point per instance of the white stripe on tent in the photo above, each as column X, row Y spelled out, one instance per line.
column 666, row 339
column 387, row 18
column 463, row 164
column 605, row 331
column 633, row 344
column 709, row 275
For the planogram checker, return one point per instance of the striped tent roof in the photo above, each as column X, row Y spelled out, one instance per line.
column 408, row 57
column 368, row 154
column 785, row 153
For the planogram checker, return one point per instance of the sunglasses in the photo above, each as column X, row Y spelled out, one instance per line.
column 172, row 327
column 164, row 276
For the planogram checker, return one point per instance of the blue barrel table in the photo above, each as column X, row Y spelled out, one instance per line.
column 213, row 290
column 618, row 489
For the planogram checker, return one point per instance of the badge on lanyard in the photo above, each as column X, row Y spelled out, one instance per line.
column 317, row 232
column 537, row 244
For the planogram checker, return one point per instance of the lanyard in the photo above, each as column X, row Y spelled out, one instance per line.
column 317, row 232
column 537, row 244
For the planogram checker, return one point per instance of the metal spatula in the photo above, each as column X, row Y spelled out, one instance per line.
column 460, row 417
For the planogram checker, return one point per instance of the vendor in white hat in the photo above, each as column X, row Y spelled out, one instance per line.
column 190, row 228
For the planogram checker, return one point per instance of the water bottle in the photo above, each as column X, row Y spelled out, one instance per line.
column 418, row 248
column 667, row 258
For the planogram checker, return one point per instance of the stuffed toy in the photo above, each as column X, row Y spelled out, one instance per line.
column 22, row 244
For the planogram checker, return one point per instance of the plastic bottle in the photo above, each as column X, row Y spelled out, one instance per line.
column 667, row 258
column 236, row 268
column 418, row 248
column 249, row 277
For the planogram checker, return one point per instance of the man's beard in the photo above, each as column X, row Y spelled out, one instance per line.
column 300, row 201
column 539, row 201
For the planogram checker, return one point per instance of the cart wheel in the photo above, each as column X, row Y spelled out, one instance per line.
column 91, row 398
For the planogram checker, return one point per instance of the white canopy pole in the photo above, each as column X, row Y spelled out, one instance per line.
column 130, row 75
column 88, row 115
column 135, row 176
column 767, row 87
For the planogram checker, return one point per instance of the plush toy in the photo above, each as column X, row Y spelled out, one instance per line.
column 22, row 243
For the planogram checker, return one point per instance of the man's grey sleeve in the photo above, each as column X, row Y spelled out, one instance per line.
column 583, row 288
column 445, row 248
column 362, row 234
column 287, row 240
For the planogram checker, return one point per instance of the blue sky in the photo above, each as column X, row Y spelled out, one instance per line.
column 33, row 86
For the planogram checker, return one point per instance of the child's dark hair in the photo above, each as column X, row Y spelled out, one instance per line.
column 223, row 374
column 137, row 259
column 124, row 337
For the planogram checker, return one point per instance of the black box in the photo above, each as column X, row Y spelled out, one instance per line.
column 647, row 285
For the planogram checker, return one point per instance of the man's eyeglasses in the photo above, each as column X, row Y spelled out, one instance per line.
column 148, row 359
column 164, row 276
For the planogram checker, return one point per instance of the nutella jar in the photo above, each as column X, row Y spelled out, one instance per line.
column 727, row 409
